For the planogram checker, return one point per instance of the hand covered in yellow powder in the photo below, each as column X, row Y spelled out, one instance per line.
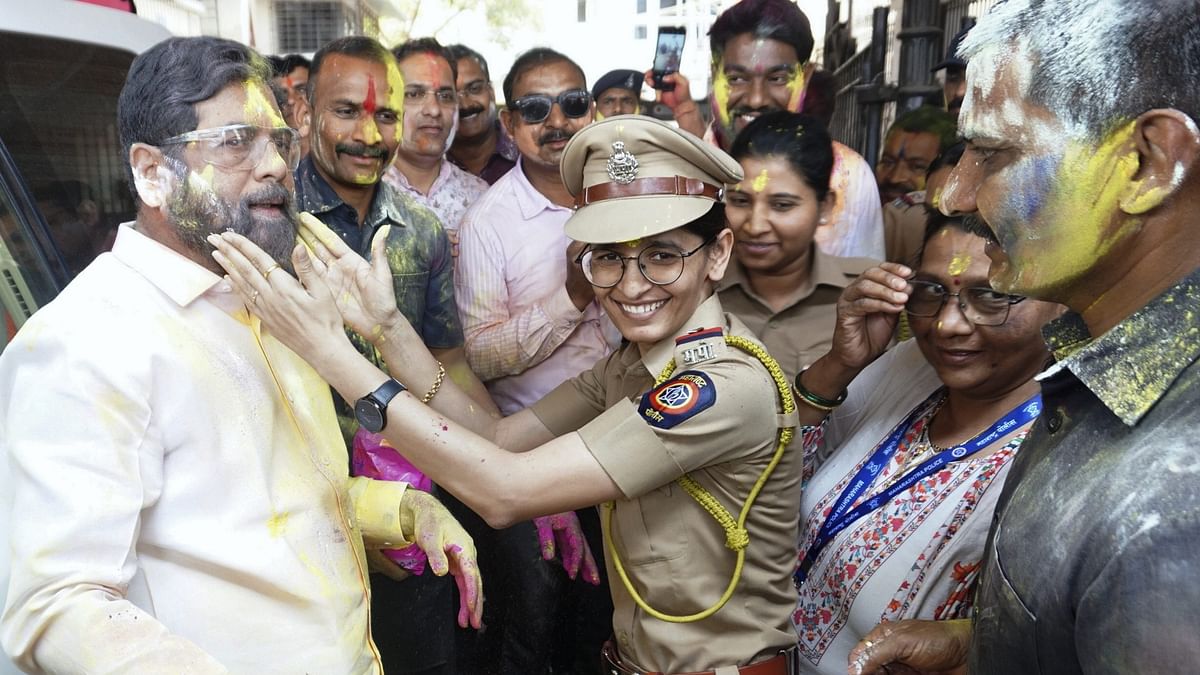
column 427, row 523
column 562, row 533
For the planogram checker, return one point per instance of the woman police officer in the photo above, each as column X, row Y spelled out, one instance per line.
column 683, row 430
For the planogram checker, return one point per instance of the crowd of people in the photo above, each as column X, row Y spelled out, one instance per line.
column 387, row 377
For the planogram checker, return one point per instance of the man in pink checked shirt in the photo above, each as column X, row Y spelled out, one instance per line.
column 531, row 322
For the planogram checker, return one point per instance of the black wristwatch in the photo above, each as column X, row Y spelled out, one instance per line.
column 371, row 410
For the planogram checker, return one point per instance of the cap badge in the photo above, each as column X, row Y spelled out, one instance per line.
column 622, row 165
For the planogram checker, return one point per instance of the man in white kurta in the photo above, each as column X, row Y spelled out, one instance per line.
column 177, row 490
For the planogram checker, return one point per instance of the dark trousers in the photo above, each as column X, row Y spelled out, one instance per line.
column 536, row 619
column 413, row 624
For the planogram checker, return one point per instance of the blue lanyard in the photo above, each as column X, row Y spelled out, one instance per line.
column 842, row 516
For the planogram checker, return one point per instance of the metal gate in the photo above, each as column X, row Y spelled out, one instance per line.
column 865, row 101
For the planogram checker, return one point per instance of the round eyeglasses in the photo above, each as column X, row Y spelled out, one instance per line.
column 982, row 306
column 660, row 265
column 535, row 108
column 240, row 147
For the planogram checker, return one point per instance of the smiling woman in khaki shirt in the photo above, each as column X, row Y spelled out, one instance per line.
column 683, row 421
column 779, row 282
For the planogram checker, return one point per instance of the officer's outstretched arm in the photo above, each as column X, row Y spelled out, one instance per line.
column 506, row 470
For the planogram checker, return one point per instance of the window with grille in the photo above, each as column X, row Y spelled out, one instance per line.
column 307, row 26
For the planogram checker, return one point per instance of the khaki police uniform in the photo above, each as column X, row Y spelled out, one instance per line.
column 671, row 547
column 716, row 418
column 801, row 332
column 904, row 221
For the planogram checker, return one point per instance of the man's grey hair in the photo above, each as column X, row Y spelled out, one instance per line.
column 1097, row 64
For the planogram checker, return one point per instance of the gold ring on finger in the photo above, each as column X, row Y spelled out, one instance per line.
column 267, row 272
column 254, row 298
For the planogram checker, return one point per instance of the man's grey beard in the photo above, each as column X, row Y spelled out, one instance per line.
column 195, row 214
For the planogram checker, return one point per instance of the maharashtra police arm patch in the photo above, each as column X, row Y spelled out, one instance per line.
column 678, row 399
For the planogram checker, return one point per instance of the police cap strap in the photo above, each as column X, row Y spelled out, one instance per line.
column 648, row 187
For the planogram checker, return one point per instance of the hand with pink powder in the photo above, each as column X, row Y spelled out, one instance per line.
column 562, row 533
column 449, row 548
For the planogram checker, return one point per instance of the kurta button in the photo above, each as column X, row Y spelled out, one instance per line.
column 1054, row 422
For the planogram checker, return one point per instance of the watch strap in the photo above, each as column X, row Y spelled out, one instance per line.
column 386, row 392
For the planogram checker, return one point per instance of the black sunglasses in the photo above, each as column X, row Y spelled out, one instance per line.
column 535, row 108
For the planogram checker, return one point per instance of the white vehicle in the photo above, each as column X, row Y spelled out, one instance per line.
column 62, row 178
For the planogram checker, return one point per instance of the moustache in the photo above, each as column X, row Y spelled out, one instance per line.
column 272, row 194
column 473, row 110
column 360, row 150
column 554, row 135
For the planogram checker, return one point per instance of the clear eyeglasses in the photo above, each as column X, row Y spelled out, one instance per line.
column 660, row 265
column 240, row 147
column 982, row 306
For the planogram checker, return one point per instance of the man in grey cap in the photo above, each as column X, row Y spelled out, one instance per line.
column 618, row 92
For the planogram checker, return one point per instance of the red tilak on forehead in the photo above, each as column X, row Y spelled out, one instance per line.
column 957, row 281
column 369, row 103
column 434, row 71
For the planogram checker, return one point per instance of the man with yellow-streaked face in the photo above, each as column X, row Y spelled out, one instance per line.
column 1049, row 189
column 760, row 64
column 355, row 128
column 1083, row 155
column 355, row 120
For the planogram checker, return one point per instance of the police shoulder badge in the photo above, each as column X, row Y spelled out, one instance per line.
column 678, row 399
column 698, row 345
column 622, row 165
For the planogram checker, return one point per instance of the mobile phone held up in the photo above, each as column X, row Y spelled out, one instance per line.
column 667, row 55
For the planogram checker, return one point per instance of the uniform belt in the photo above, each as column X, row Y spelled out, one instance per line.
column 783, row 663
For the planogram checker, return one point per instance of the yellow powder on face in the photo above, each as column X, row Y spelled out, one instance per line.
column 633, row 243
column 1078, row 221
column 795, row 85
column 395, row 98
column 935, row 200
column 258, row 108
column 201, row 181
column 959, row 264
column 760, row 181
column 721, row 93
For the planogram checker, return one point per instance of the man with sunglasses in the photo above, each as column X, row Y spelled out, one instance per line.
column 355, row 125
column 179, row 494
column 481, row 146
column 531, row 321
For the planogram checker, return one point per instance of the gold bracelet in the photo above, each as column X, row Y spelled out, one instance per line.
column 437, row 384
